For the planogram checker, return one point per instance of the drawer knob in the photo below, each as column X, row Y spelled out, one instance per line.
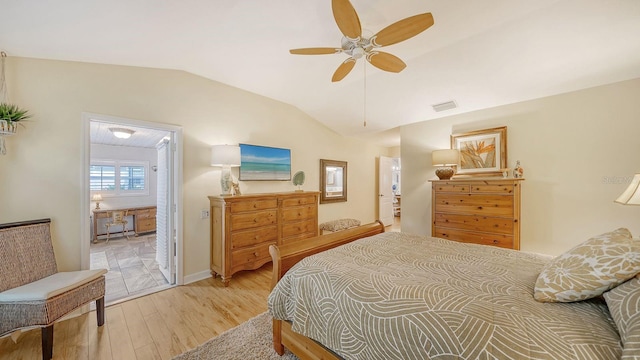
column 256, row 254
column 495, row 241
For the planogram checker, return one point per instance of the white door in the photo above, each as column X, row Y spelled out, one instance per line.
column 385, row 192
column 165, row 223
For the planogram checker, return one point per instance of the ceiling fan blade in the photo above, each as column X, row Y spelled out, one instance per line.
column 315, row 51
column 385, row 61
column 346, row 18
column 403, row 30
column 344, row 69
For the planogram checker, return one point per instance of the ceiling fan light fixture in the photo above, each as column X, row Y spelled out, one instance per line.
column 121, row 133
column 357, row 53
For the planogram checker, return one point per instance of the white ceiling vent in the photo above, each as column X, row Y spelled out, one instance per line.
column 445, row 106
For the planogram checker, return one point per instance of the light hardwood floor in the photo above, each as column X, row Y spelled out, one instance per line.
column 157, row 326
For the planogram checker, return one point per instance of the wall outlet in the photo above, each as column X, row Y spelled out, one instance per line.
column 204, row 214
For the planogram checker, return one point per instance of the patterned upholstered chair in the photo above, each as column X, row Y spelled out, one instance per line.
column 32, row 291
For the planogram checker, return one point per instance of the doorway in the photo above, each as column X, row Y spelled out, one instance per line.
column 139, row 174
column 389, row 192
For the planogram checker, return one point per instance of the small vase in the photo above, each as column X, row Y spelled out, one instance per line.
column 518, row 172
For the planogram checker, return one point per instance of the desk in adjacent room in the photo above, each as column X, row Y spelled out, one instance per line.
column 144, row 219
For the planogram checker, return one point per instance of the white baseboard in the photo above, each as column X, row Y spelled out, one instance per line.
column 197, row 277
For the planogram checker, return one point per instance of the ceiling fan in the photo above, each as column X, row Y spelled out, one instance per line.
column 357, row 46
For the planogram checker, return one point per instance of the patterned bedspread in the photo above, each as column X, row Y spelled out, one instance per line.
column 401, row 296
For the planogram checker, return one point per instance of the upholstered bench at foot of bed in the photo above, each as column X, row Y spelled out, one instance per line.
column 337, row 225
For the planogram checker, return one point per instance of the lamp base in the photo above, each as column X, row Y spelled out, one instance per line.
column 444, row 173
column 225, row 181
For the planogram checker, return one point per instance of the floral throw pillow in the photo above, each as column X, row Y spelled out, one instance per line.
column 589, row 269
column 624, row 305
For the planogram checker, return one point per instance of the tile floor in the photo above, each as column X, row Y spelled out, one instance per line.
column 131, row 264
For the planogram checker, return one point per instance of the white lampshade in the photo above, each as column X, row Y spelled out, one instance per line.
column 446, row 157
column 225, row 155
column 96, row 197
column 631, row 196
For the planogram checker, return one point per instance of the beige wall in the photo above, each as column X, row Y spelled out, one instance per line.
column 41, row 174
column 578, row 150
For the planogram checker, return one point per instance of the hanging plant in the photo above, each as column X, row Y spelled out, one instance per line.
column 12, row 113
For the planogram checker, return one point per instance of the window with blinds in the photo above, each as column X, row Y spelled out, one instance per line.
column 118, row 178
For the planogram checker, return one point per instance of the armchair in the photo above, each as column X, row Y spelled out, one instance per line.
column 32, row 291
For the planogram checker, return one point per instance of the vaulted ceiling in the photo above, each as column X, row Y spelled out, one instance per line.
column 478, row 53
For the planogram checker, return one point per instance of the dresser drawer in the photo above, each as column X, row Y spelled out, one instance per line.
column 299, row 213
column 493, row 188
column 253, row 219
column 299, row 227
column 252, row 205
column 244, row 238
column 145, row 225
column 474, row 223
column 499, row 240
column 451, row 188
column 494, row 205
column 302, row 200
column 250, row 258
column 289, row 239
column 146, row 213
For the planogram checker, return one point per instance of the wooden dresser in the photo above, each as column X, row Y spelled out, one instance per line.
column 243, row 227
column 482, row 211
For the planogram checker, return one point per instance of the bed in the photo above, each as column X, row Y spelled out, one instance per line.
column 366, row 294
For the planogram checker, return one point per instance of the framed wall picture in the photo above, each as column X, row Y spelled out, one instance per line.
column 264, row 163
column 482, row 152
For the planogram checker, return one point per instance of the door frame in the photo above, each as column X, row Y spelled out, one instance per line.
column 85, row 158
column 386, row 173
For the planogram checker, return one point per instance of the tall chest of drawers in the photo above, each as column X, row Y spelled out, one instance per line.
column 482, row 211
column 243, row 227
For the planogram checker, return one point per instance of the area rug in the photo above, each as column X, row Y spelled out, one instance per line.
column 251, row 340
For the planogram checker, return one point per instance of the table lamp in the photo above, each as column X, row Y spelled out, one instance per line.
column 97, row 198
column 631, row 196
column 225, row 156
column 445, row 159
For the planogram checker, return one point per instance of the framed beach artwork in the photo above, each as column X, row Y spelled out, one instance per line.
column 482, row 152
column 264, row 163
